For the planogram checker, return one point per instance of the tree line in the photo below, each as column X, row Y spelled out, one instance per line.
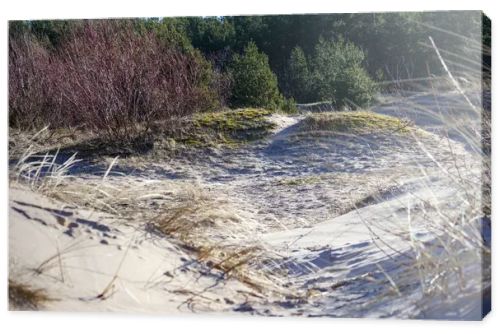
column 110, row 74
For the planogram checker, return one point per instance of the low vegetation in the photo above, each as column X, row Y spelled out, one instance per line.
column 113, row 87
column 108, row 78
column 228, row 127
column 117, row 77
column 200, row 222
column 357, row 122
column 25, row 298
column 235, row 125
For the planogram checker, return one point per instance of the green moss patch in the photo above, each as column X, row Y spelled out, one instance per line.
column 356, row 122
column 228, row 127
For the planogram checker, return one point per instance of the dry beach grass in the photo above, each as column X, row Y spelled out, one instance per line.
column 226, row 235
column 372, row 213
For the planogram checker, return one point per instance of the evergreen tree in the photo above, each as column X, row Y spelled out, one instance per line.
column 299, row 76
column 339, row 75
column 254, row 84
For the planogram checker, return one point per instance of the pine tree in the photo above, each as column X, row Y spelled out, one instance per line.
column 254, row 84
column 299, row 76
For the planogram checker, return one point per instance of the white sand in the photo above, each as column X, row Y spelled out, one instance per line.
column 87, row 252
column 292, row 198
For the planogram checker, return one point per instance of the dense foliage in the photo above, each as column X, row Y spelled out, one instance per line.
column 107, row 77
column 339, row 76
column 299, row 78
column 333, row 73
column 254, row 83
column 94, row 73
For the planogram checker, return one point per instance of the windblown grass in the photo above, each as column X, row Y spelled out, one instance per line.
column 449, row 238
column 42, row 173
column 222, row 240
column 23, row 297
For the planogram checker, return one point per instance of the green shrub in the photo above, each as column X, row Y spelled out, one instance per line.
column 339, row 75
column 299, row 78
column 289, row 106
column 51, row 33
column 353, row 88
column 170, row 31
column 254, row 84
column 333, row 73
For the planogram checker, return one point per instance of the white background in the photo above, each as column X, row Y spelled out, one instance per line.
column 38, row 322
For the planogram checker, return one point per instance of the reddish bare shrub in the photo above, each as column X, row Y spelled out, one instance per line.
column 108, row 77
column 114, row 79
column 29, row 89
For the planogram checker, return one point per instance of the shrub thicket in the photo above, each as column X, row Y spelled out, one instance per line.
column 30, row 96
column 120, row 75
column 107, row 77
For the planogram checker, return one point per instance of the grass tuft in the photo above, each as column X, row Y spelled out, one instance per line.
column 199, row 223
column 22, row 297
column 43, row 173
column 354, row 122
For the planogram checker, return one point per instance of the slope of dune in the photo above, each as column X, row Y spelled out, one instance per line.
column 374, row 222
